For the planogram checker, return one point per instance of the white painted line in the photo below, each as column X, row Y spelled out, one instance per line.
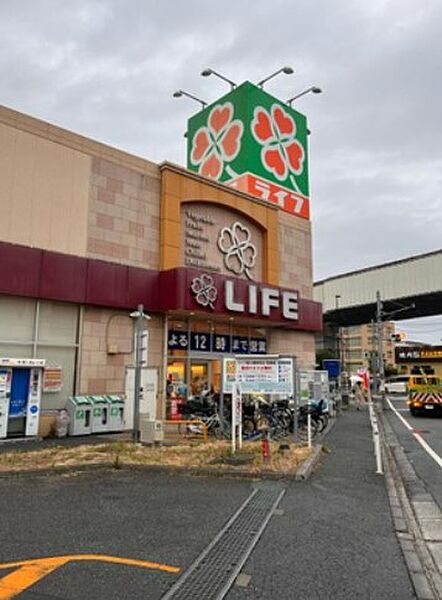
column 418, row 437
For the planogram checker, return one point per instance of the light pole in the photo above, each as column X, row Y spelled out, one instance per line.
column 380, row 314
column 207, row 72
column 285, row 70
column 314, row 90
column 338, row 337
column 180, row 93
column 139, row 316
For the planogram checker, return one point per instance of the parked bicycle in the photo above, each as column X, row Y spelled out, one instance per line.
column 276, row 417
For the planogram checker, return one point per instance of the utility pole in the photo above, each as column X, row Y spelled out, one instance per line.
column 379, row 339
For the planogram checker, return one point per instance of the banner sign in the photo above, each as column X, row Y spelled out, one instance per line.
column 52, row 379
column 214, row 342
column 248, row 131
column 259, row 375
column 406, row 354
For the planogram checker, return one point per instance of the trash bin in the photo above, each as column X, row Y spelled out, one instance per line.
column 116, row 415
column 100, row 414
column 80, row 415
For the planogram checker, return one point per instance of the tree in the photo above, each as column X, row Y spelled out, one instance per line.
column 324, row 354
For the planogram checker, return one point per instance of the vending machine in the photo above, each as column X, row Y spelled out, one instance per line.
column 20, row 396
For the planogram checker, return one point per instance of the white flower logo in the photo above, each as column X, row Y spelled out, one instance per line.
column 239, row 252
column 204, row 289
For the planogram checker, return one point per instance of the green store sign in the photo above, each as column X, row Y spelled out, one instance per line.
column 248, row 131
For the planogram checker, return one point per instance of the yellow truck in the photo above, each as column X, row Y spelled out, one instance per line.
column 424, row 395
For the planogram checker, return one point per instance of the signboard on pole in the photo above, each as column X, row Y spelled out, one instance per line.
column 259, row 375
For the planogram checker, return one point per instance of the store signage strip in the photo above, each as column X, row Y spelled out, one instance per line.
column 213, row 342
column 287, row 200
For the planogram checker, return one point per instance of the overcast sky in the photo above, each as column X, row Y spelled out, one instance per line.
column 107, row 69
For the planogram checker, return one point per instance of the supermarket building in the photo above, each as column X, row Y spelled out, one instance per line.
column 89, row 232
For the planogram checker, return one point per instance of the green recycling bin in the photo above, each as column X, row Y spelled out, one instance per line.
column 80, row 415
column 116, row 415
column 100, row 414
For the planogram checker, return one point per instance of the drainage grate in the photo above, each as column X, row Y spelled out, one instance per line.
column 212, row 574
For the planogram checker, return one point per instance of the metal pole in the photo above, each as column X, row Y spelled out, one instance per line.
column 376, row 439
column 240, row 422
column 137, row 374
column 296, row 388
column 379, row 334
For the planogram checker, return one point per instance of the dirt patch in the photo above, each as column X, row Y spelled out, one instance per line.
column 193, row 455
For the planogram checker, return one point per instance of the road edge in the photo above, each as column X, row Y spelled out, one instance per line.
column 421, row 565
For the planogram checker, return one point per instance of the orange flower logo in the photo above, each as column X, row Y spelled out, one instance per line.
column 281, row 153
column 218, row 143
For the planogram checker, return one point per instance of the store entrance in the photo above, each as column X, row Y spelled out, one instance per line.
column 193, row 377
column 200, row 377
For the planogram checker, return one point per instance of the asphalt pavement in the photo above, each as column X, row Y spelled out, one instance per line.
column 429, row 428
column 333, row 536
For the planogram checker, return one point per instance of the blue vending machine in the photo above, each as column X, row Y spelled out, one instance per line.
column 20, row 396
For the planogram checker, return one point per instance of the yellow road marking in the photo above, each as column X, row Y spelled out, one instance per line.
column 28, row 572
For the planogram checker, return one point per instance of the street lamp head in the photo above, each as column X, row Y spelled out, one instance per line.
column 208, row 71
column 285, row 70
column 136, row 314
column 180, row 93
column 313, row 89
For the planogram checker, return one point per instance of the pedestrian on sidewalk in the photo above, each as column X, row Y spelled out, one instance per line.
column 359, row 395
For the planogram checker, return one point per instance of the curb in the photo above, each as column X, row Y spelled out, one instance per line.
column 422, row 567
column 306, row 469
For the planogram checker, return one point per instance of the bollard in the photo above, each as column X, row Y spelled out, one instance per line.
column 265, row 446
column 376, row 439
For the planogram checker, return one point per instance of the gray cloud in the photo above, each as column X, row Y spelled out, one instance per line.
column 107, row 69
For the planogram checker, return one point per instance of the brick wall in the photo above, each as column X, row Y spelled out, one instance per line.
column 107, row 348
column 124, row 215
column 295, row 254
column 299, row 344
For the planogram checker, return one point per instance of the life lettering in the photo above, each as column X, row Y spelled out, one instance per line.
column 268, row 299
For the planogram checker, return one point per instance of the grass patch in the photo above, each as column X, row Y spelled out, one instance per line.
column 187, row 455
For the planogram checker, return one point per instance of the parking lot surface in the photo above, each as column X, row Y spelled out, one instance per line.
column 332, row 536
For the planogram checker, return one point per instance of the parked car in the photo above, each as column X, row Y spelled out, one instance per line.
column 397, row 384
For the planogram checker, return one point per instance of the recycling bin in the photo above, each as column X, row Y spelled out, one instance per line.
column 80, row 415
column 100, row 414
column 116, row 414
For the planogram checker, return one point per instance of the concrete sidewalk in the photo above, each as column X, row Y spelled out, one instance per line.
column 335, row 537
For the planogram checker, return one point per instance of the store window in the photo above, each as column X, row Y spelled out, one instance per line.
column 196, row 349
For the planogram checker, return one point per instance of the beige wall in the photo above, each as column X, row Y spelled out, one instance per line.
column 124, row 215
column 44, row 188
column 295, row 254
column 296, row 343
column 107, row 348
